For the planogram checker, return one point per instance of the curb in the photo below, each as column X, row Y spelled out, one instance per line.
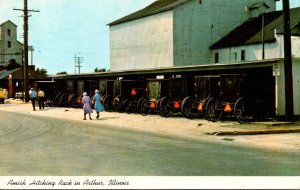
column 273, row 123
column 255, row 132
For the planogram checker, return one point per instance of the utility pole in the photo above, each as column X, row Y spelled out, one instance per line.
column 288, row 72
column 79, row 63
column 25, row 17
column 75, row 59
column 263, row 34
column 23, row 98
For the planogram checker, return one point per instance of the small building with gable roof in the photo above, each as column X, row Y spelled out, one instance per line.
column 10, row 47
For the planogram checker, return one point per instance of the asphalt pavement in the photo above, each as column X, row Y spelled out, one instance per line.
column 38, row 146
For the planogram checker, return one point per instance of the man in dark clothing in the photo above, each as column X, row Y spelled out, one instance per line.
column 41, row 98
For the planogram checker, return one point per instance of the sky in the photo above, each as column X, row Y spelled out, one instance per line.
column 65, row 28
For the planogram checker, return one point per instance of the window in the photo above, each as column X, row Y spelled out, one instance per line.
column 8, row 32
column 243, row 55
column 216, row 57
column 9, row 44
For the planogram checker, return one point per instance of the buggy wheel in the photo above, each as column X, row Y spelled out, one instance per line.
column 140, row 104
column 122, row 105
column 71, row 100
column 78, row 102
column 48, row 103
column 239, row 110
column 214, row 112
column 62, row 100
column 107, row 103
column 102, row 98
column 186, row 107
column 158, row 105
column 145, row 107
column 207, row 104
column 164, row 109
column 117, row 103
column 56, row 99
column 127, row 105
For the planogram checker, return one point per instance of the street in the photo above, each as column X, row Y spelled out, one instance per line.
column 37, row 145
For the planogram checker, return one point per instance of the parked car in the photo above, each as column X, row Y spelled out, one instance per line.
column 2, row 96
column 5, row 93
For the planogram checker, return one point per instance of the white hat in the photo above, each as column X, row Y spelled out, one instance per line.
column 96, row 91
column 84, row 94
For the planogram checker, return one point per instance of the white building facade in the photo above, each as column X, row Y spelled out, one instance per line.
column 143, row 43
column 175, row 32
column 253, row 49
column 254, row 52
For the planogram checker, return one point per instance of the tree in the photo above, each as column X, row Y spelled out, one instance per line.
column 12, row 65
column 99, row 70
column 62, row 73
column 41, row 71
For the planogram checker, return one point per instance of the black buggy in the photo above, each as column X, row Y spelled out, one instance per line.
column 106, row 88
column 128, row 95
column 177, row 90
column 205, row 94
column 232, row 99
column 156, row 89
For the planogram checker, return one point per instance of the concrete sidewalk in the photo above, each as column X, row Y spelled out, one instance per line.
column 155, row 123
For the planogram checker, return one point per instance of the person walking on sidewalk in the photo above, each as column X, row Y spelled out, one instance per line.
column 33, row 96
column 86, row 105
column 97, row 103
column 41, row 98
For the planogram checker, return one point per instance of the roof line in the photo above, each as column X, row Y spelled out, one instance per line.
column 164, row 70
column 8, row 21
column 156, row 7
